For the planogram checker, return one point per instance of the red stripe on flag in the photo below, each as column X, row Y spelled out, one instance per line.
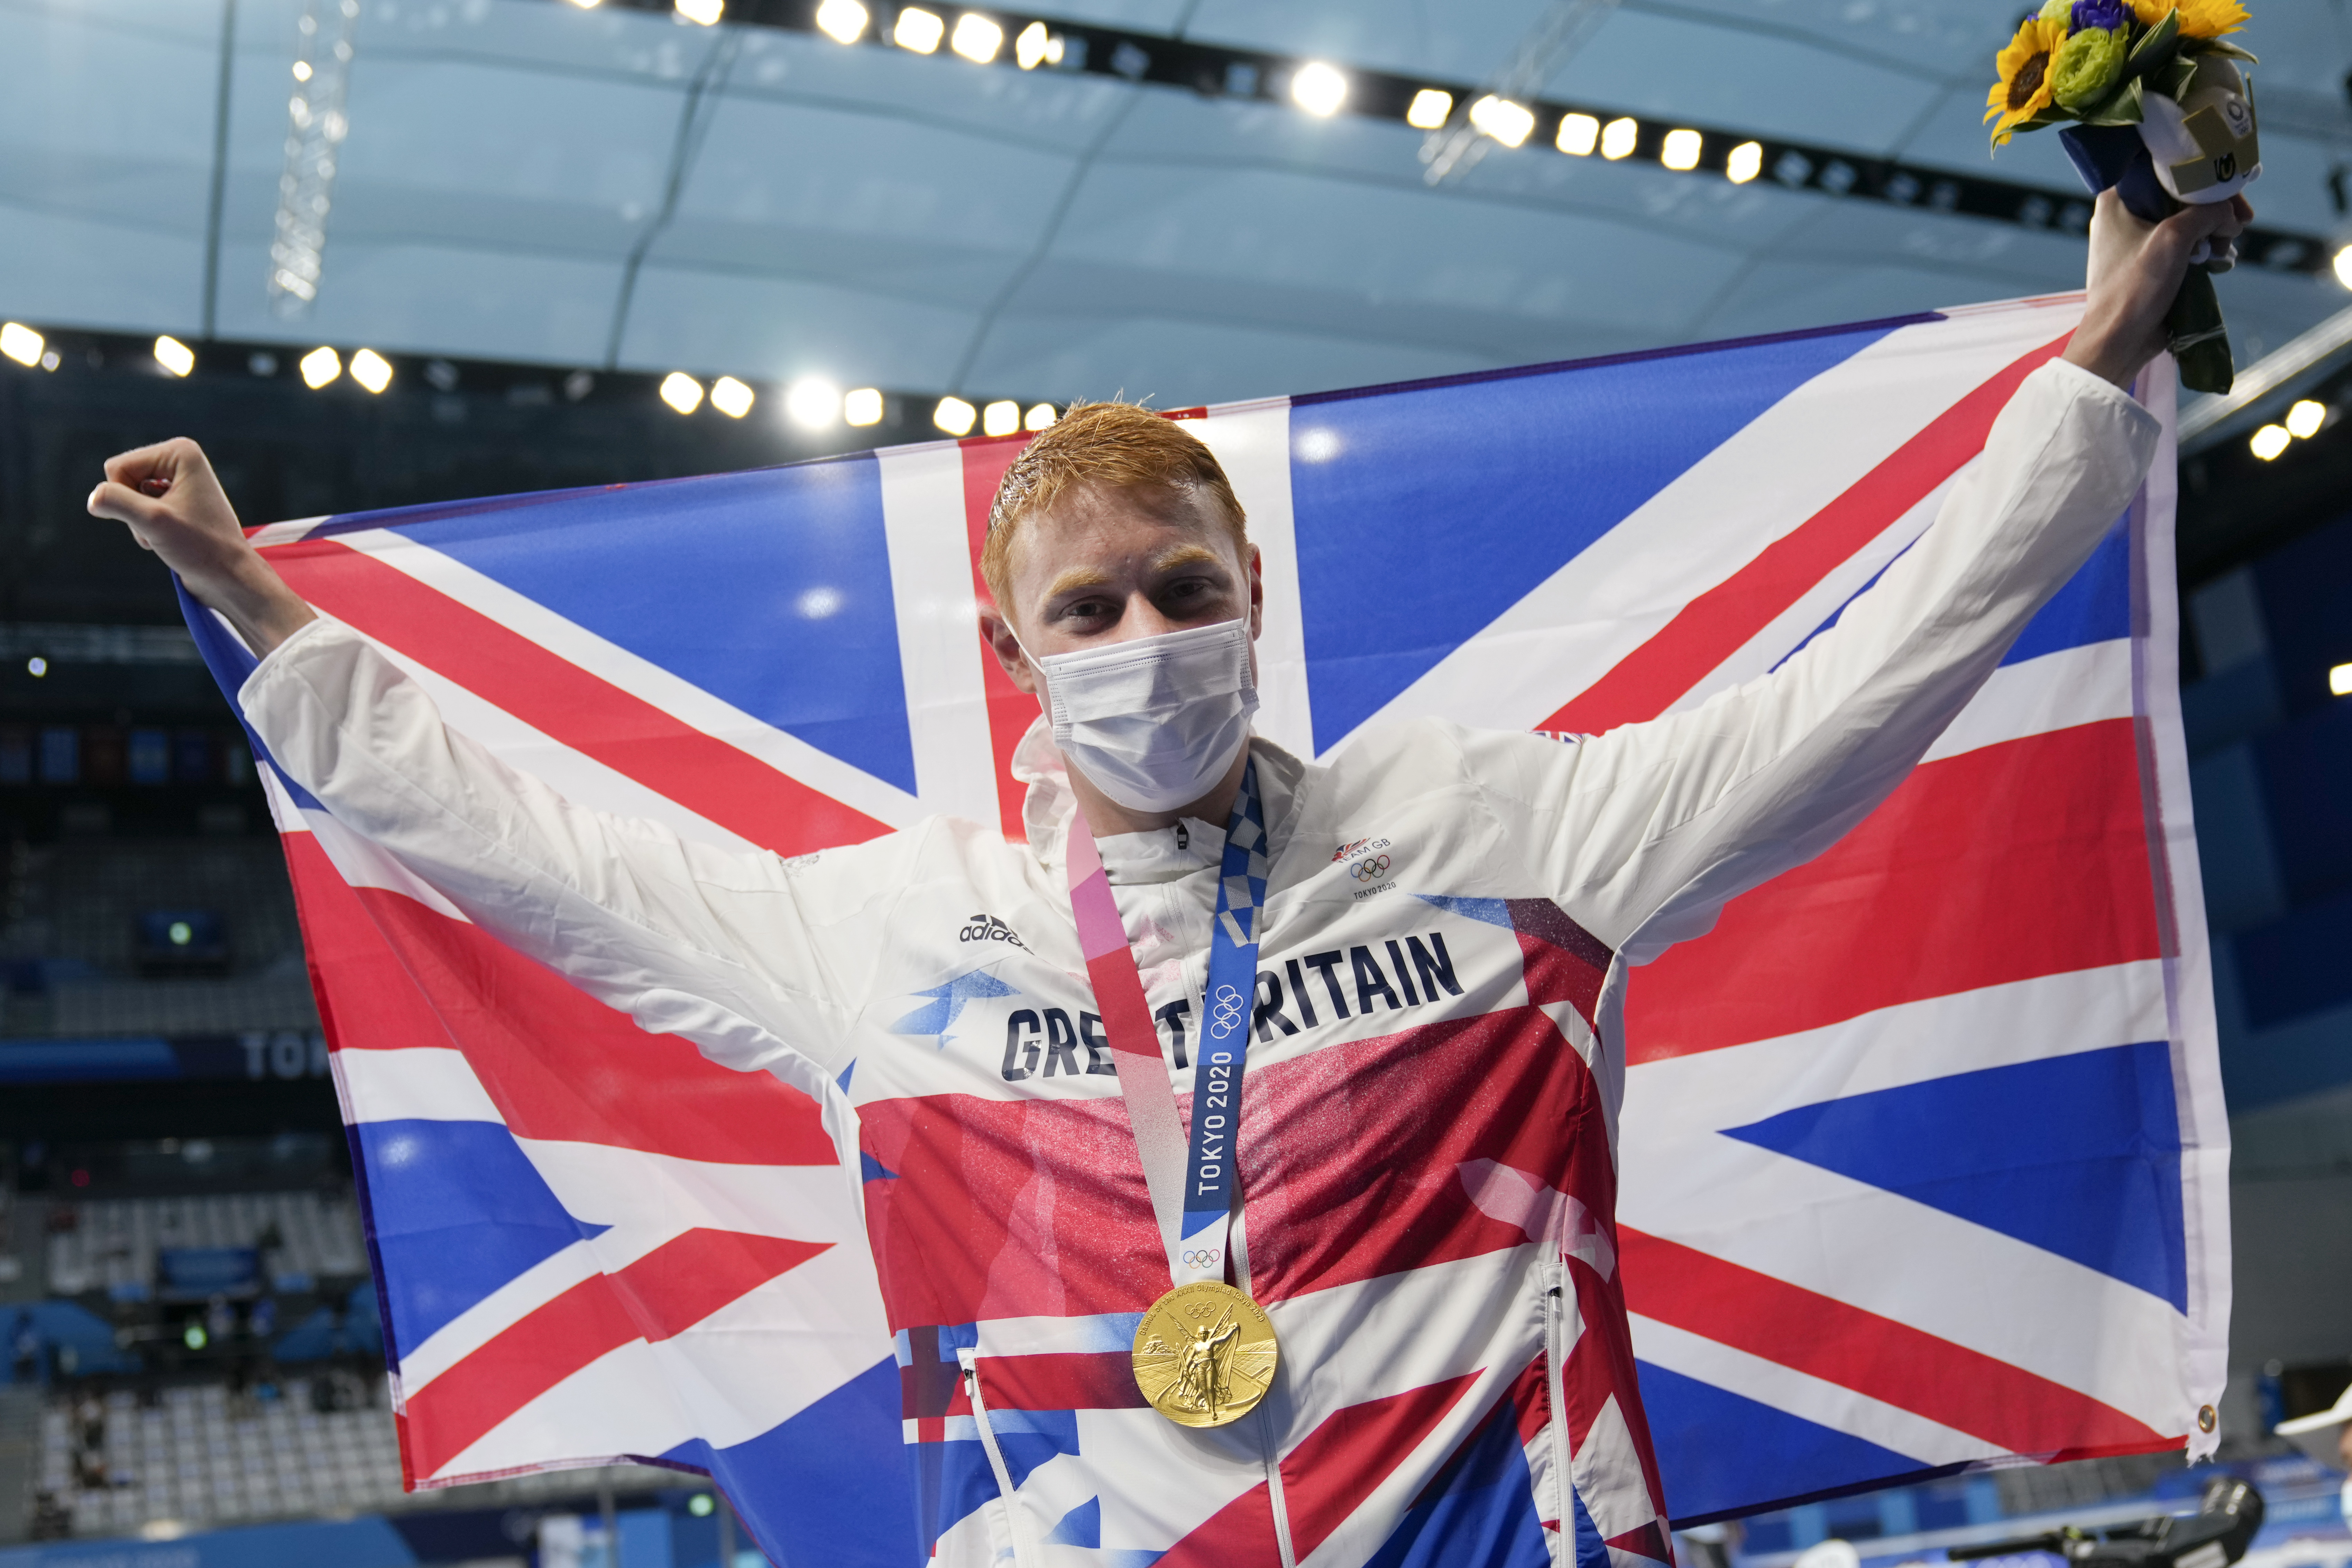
column 559, row 1064
column 1091, row 1380
column 1339, row 1464
column 1720, row 621
column 2004, row 863
column 659, row 1297
column 1011, row 710
column 1891, row 1362
column 592, row 715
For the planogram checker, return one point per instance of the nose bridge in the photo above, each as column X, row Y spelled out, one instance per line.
column 1140, row 617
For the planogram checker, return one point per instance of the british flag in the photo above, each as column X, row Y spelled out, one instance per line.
column 1923, row 1153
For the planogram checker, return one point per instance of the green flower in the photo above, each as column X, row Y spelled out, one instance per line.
column 2087, row 67
column 2058, row 11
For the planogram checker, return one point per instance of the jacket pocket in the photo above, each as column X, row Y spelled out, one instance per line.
column 1024, row 1552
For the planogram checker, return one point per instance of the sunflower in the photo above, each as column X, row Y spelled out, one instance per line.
column 2023, row 89
column 2198, row 18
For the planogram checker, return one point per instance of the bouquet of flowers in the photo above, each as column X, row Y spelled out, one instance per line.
column 2154, row 105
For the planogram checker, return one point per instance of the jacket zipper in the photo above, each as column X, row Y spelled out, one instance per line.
column 1556, row 1399
column 1022, row 1552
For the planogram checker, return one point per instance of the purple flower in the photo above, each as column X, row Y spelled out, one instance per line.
column 2100, row 14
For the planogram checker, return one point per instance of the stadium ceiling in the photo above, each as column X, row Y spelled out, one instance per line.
column 1151, row 212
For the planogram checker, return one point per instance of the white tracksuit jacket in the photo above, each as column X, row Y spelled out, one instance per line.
column 1426, row 1170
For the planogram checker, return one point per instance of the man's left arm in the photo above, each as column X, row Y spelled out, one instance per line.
column 1654, row 826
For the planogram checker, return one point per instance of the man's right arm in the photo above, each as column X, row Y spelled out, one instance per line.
column 686, row 937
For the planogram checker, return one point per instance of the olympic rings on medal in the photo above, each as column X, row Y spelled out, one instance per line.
column 1371, row 868
column 1203, row 1257
column 1226, row 1016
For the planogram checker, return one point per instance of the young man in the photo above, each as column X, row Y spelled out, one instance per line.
column 1395, row 1329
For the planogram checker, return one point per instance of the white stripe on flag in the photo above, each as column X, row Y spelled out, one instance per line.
column 940, row 648
column 414, row 1083
column 1252, row 442
column 2057, row 691
column 1805, row 1397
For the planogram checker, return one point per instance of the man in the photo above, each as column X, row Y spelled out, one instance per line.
column 1422, row 946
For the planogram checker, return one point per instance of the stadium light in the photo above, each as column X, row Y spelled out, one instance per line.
column 1041, row 417
column 21, row 343
column 370, row 369
column 705, row 12
column 843, row 21
column 862, row 406
column 813, row 404
column 1617, row 138
column 700, row 1506
column 302, row 70
column 976, row 39
column 320, row 366
column 1746, row 162
column 919, row 30
column 1000, row 418
column 1429, row 109
column 2304, row 420
column 1499, row 117
column 2270, row 441
column 954, row 415
column 1682, row 149
column 2339, row 681
column 681, row 391
column 2343, row 266
column 177, row 357
column 1036, row 46
column 36, row 667
column 1578, row 134
column 731, row 397
column 1318, row 88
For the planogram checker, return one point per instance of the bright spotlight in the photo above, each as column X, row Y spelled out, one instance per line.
column 862, row 406
column 1578, row 134
column 194, row 1337
column 705, row 12
column 1429, row 109
column 1318, row 89
column 302, row 70
column 2304, row 420
column 1000, row 418
column 36, row 667
column 976, row 39
column 1682, row 149
column 954, row 415
column 843, row 21
column 2339, row 681
column 320, row 366
column 699, row 1505
column 370, row 369
column 681, row 391
column 1041, row 417
column 587, row 5
column 919, row 30
column 175, row 356
column 1617, row 138
column 731, row 397
column 1746, row 162
column 2343, row 266
column 21, row 343
column 2270, row 441
column 1029, row 48
column 813, row 404
column 1499, row 117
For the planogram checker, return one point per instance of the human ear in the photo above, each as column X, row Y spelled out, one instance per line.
column 997, row 632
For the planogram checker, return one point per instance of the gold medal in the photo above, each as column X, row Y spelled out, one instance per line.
column 1205, row 1355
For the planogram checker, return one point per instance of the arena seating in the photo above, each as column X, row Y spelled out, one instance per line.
column 112, row 1243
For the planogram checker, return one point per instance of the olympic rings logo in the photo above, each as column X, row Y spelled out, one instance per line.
column 1371, row 868
column 1226, row 1016
column 1203, row 1257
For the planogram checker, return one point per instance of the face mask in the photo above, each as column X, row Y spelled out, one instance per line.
column 1154, row 721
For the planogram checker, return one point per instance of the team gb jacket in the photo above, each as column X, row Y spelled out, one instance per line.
column 1427, row 1170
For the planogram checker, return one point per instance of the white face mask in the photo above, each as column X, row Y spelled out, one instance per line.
column 1154, row 721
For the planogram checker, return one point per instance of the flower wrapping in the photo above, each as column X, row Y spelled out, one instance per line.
column 2153, row 104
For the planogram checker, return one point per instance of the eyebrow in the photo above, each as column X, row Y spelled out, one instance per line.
column 1187, row 555
column 1072, row 581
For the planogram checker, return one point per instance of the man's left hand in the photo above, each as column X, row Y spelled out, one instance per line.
column 2136, row 268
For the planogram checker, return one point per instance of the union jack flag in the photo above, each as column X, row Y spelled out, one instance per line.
column 1923, row 1153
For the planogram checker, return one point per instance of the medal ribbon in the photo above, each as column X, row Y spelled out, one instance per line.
column 1192, row 1188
